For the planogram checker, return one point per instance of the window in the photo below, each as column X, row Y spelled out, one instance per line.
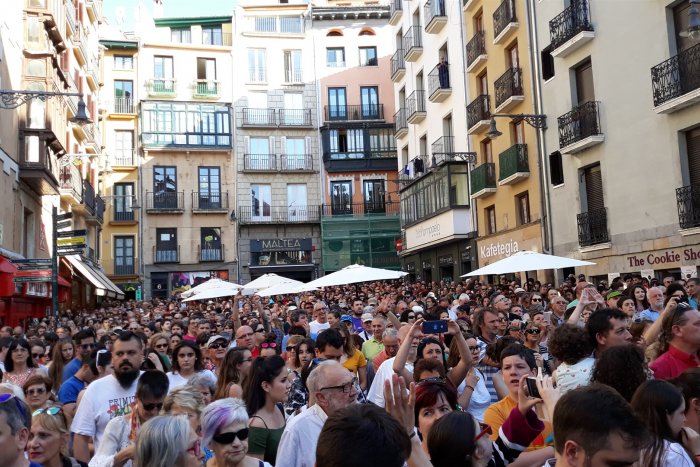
column 486, row 151
column 211, row 35
column 206, row 69
column 584, row 83
column 366, row 32
column 256, row 66
column 373, row 194
column 258, row 157
column 180, row 35
column 334, row 33
column 210, row 244
column 261, row 200
column 547, row 63
column 517, row 132
column 123, row 201
column 123, row 255
column 522, row 205
column 368, row 56
column 209, row 194
column 335, row 57
column 36, row 36
column 483, row 83
column 512, row 55
column 490, row 219
column 346, row 143
column 166, row 246
column 341, row 197
column 297, row 210
column 185, row 124
column 692, row 146
column 123, row 89
column 556, row 171
column 370, row 101
column 163, row 74
column 292, row 66
column 165, row 187
column 337, row 104
column 124, row 147
column 123, row 62
column 294, row 153
column 593, row 186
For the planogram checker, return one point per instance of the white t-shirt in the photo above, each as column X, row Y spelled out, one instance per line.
column 481, row 398
column 383, row 373
column 104, row 399
column 315, row 327
column 176, row 380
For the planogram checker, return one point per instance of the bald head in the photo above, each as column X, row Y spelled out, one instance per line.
column 244, row 337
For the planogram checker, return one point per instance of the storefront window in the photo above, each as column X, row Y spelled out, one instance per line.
column 279, row 258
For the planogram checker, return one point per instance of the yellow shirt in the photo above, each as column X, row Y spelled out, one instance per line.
column 356, row 361
column 497, row 413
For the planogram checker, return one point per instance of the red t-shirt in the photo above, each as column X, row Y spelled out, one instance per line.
column 672, row 363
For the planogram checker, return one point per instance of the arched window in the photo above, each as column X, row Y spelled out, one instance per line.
column 334, row 33
column 366, row 32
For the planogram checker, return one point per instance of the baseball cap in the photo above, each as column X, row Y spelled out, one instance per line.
column 369, row 309
column 519, row 290
column 215, row 338
column 431, row 295
column 613, row 294
column 372, row 301
column 367, row 317
column 346, row 318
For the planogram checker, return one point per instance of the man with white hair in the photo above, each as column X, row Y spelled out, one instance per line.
column 331, row 388
column 656, row 304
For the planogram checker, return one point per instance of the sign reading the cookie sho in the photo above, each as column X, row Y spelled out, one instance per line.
column 498, row 247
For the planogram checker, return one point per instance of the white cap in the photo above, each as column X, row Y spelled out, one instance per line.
column 417, row 309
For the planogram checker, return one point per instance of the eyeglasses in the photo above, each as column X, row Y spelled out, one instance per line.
column 49, row 410
column 155, row 405
column 501, row 319
column 35, row 392
column 230, row 436
column 269, row 345
column 195, row 449
column 346, row 388
column 218, row 345
column 474, row 348
column 536, row 299
column 532, row 331
column 87, row 346
column 37, row 355
column 485, row 430
column 161, row 346
column 290, row 349
column 243, row 336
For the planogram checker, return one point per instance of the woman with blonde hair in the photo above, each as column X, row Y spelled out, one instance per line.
column 49, row 438
column 160, row 343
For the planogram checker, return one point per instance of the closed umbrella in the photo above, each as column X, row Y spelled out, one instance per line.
column 528, row 261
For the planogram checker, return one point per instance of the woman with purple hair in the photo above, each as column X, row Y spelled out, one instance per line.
column 225, row 431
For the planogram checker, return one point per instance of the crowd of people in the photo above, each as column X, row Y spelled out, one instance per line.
column 375, row 374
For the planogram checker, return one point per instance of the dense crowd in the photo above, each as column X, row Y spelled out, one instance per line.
column 374, row 374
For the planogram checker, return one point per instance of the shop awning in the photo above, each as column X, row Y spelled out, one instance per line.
column 103, row 286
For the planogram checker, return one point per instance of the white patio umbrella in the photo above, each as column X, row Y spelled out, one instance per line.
column 216, row 292
column 528, row 261
column 214, row 283
column 356, row 273
column 266, row 281
column 284, row 288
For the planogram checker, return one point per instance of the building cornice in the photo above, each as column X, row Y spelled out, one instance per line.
column 351, row 13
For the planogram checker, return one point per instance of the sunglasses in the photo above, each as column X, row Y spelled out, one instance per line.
column 269, row 345
column 35, row 392
column 162, row 346
column 230, row 436
column 290, row 349
column 485, row 430
column 49, row 410
column 218, row 345
column 533, row 331
column 535, row 299
column 155, row 405
column 37, row 355
column 87, row 346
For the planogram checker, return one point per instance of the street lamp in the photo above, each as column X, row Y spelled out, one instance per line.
column 11, row 99
column 534, row 120
column 693, row 31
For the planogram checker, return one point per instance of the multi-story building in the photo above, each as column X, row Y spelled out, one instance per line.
column 505, row 182
column 187, row 196
column 623, row 141
column 429, row 76
column 276, row 142
column 360, row 213
column 119, row 102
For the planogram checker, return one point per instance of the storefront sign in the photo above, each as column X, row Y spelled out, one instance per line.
column 446, row 260
column 411, row 267
column 466, row 255
column 427, row 264
column 667, row 258
column 498, row 247
column 281, row 244
column 439, row 228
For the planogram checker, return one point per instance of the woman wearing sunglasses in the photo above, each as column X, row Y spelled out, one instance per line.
column 225, row 431
column 49, row 438
column 37, row 391
column 531, row 341
column 168, row 441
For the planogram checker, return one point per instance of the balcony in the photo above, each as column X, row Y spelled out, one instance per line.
column 400, row 124
column 122, row 211
column 396, row 12
column 124, row 269
column 297, row 163
column 509, row 90
column 274, row 26
column 165, row 202
column 505, row 22
column 688, row 200
column 92, row 75
column 97, row 217
column 443, row 150
column 435, row 16
column 513, row 165
column 124, row 158
column 38, row 167
column 251, row 117
column 479, row 114
column 476, row 51
column 398, row 66
column 267, row 214
column 206, row 89
column 92, row 138
column 676, row 81
column 415, row 107
column 412, row 44
column 161, row 87
column 483, row 180
column 94, row 10
column 571, row 29
column 209, row 202
column 580, row 129
column 71, row 185
column 347, row 113
column 166, row 255
column 89, row 198
column 364, row 147
column 70, row 17
column 376, row 208
column 300, row 118
column 80, row 45
column 592, row 227
column 211, row 253
column 259, row 163
column 439, row 83
column 123, row 106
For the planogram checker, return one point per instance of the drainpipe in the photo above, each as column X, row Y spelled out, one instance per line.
column 536, row 89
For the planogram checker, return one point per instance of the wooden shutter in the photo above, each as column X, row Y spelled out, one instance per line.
column 692, row 139
column 594, row 188
column 584, row 83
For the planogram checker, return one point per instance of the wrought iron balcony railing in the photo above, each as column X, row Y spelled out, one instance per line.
column 165, row 87
column 89, row 196
column 441, row 147
column 260, row 162
column 165, row 201
column 580, row 123
column 258, row 117
column 573, row 20
column 509, row 84
column 211, row 253
column 476, row 47
column 166, row 254
column 483, row 176
column 439, row 78
column 355, row 112
column 360, row 209
column 513, row 160
column 433, row 9
column 295, row 117
column 593, row 227
column 71, row 182
column 122, row 210
column 126, row 269
column 503, row 16
column 688, row 200
column 478, row 110
column 267, row 214
column 398, row 62
column 296, row 162
column 412, row 39
column 99, row 208
column 415, row 102
column 676, row 76
column 400, row 122
column 209, row 200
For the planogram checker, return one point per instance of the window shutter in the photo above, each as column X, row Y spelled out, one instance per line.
column 307, row 145
column 693, row 146
column 594, row 188
column 271, row 149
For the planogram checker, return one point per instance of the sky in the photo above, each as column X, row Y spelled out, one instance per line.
column 171, row 8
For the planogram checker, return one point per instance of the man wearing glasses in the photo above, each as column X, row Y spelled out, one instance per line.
column 85, row 344
column 321, row 322
column 332, row 388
